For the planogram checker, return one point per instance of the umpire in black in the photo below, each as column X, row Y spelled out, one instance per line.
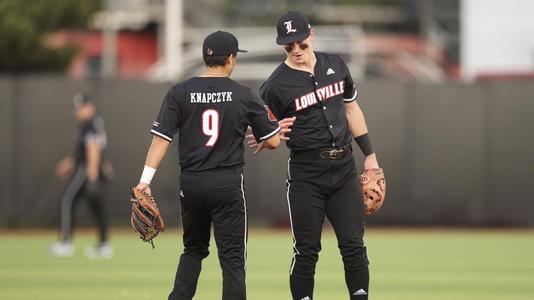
column 211, row 114
column 318, row 90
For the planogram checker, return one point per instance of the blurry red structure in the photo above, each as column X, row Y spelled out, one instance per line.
column 136, row 52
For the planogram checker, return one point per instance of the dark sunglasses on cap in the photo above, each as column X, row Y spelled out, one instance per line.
column 302, row 46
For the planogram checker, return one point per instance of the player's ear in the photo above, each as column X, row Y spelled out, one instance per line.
column 312, row 34
column 232, row 59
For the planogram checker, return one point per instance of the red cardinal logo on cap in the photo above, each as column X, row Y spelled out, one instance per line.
column 210, row 52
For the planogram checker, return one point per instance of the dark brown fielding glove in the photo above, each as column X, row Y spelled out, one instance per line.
column 373, row 185
column 146, row 219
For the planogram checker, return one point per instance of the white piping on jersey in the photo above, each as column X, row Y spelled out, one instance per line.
column 271, row 134
column 161, row 135
column 295, row 250
column 67, row 200
column 353, row 97
column 245, row 237
column 181, row 196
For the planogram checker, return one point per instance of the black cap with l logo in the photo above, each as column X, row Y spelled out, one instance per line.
column 220, row 43
column 292, row 27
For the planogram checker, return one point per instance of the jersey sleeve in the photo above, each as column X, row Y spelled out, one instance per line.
column 260, row 117
column 168, row 120
column 351, row 92
column 270, row 98
column 94, row 132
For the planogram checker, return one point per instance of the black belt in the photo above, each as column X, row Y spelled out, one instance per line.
column 328, row 153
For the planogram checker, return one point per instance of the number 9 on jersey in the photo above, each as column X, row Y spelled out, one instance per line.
column 210, row 126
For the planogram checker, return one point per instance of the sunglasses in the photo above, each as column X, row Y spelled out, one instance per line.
column 301, row 45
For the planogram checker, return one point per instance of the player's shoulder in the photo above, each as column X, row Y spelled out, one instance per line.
column 277, row 78
column 177, row 91
column 244, row 94
column 201, row 83
column 330, row 58
column 178, row 88
column 96, row 123
column 239, row 88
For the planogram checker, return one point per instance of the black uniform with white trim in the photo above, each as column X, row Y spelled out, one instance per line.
column 211, row 116
column 322, row 178
column 316, row 99
column 91, row 130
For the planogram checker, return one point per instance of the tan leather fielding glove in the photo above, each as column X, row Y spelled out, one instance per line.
column 146, row 219
column 373, row 185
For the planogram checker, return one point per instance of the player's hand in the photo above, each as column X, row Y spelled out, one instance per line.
column 64, row 167
column 143, row 187
column 285, row 127
column 370, row 162
column 252, row 144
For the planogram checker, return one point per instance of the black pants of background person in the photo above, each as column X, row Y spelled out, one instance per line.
column 319, row 187
column 79, row 188
column 213, row 197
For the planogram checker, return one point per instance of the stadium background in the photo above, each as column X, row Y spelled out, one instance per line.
column 446, row 86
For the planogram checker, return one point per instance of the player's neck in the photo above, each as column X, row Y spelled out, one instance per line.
column 307, row 66
column 216, row 72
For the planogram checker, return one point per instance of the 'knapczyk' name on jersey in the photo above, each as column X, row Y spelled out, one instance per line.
column 323, row 93
column 211, row 97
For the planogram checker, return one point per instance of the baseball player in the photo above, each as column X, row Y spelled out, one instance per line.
column 86, row 182
column 211, row 114
column 318, row 90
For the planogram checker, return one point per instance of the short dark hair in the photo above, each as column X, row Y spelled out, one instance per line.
column 217, row 60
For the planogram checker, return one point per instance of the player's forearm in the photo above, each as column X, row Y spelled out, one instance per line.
column 272, row 142
column 355, row 119
column 358, row 129
column 155, row 155
column 93, row 153
column 157, row 151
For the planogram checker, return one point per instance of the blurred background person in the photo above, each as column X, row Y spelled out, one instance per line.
column 86, row 182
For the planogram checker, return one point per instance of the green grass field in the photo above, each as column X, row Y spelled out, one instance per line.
column 405, row 264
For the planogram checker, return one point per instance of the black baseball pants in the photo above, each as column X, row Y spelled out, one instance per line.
column 318, row 187
column 80, row 188
column 213, row 197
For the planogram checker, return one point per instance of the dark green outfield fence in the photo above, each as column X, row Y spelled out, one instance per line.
column 454, row 154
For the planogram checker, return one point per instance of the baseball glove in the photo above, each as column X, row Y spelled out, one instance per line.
column 373, row 185
column 146, row 219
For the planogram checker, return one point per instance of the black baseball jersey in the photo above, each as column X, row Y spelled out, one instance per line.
column 89, row 131
column 211, row 115
column 315, row 99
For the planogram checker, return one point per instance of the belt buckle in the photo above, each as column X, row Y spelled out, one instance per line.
column 333, row 154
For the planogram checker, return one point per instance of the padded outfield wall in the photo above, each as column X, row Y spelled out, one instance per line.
column 454, row 154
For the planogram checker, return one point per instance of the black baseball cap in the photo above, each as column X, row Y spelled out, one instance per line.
column 292, row 27
column 220, row 43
